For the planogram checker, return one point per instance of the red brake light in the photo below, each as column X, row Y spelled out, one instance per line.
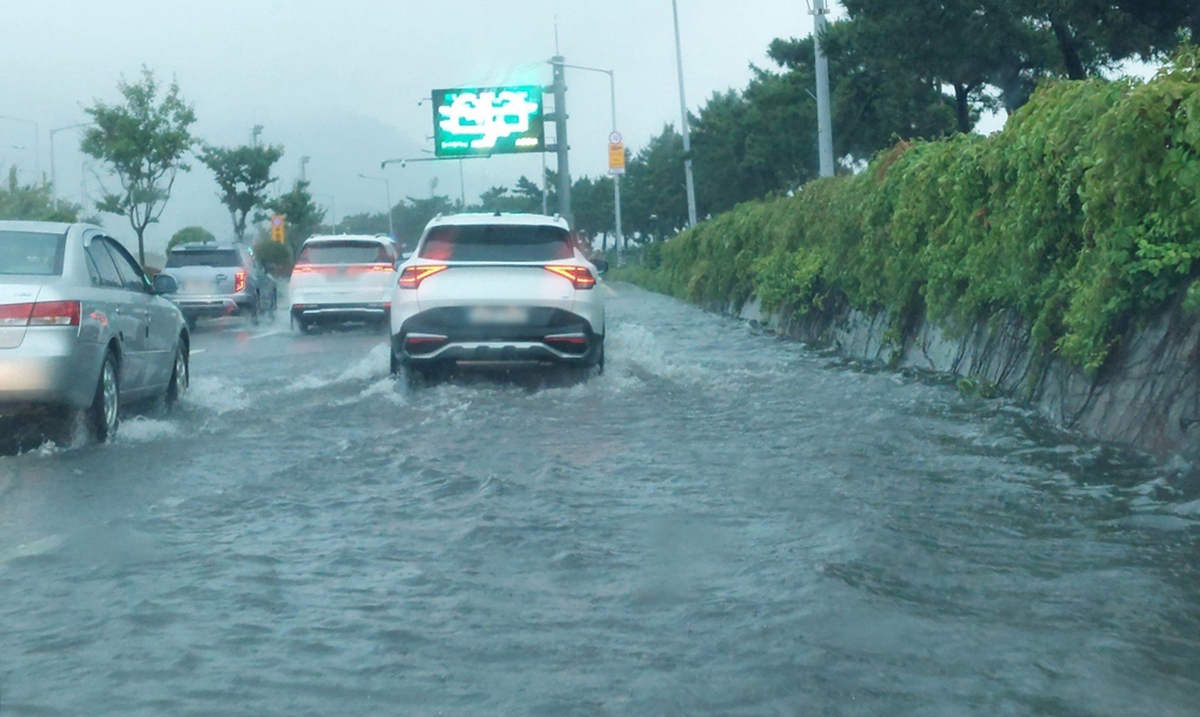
column 46, row 313
column 579, row 276
column 55, row 313
column 239, row 281
column 15, row 314
column 303, row 269
column 412, row 276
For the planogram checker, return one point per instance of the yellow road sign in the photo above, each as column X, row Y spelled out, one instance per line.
column 616, row 158
column 278, row 228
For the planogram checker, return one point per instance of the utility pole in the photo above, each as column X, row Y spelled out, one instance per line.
column 255, row 131
column 53, row 170
column 824, row 116
column 560, row 124
column 303, row 164
column 612, row 89
column 687, row 132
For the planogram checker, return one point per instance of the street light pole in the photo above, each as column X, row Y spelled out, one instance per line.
column 687, row 132
column 388, row 188
column 303, row 164
column 37, row 149
column 824, row 114
column 612, row 88
column 53, row 175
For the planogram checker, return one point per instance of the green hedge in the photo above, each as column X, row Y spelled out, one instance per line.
column 1082, row 215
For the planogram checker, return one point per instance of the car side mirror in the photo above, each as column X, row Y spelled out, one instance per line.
column 601, row 266
column 165, row 284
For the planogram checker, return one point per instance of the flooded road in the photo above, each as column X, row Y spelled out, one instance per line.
column 723, row 524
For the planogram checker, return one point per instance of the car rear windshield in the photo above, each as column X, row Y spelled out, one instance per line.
column 345, row 252
column 203, row 257
column 31, row 253
column 497, row 243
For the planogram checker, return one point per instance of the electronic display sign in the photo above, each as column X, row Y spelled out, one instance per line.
column 488, row 120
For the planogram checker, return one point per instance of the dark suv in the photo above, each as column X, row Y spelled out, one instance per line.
column 220, row 280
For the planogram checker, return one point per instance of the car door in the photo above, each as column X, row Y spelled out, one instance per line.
column 113, row 303
column 135, row 310
column 161, row 327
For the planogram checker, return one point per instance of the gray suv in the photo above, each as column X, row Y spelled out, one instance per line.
column 220, row 280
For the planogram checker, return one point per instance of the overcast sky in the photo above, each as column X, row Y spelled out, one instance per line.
column 341, row 81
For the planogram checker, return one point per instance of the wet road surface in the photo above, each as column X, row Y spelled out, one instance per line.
column 723, row 524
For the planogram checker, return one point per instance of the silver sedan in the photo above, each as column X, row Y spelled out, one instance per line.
column 82, row 329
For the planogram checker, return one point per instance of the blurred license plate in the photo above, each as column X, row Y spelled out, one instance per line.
column 197, row 287
column 498, row 315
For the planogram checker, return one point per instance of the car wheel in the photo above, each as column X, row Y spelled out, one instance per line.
column 274, row 303
column 191, row 323
column 181, row 376
column 600, row 361
column 254, row 310
column 105, row 412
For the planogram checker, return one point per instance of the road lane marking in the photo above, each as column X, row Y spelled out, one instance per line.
column 610, row 289
column 280, row 332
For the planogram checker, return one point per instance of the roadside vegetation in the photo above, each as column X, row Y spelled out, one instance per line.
column 1081, row 216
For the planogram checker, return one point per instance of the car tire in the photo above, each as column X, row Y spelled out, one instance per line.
column 181, row 376
column 254, row 310
column 104, row 415
column 600, row 360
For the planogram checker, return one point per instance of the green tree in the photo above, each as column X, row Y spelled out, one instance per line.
column 190, row 235
column 302, row 213
column 33, row 202
column 144, row 141
column 243, row 174
column 657, row 197
column 592, row 202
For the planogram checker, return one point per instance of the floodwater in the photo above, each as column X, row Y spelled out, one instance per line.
column 722, row 524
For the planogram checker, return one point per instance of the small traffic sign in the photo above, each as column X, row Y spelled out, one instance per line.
column 615, row 138
column 616, row 158
column 278, row 229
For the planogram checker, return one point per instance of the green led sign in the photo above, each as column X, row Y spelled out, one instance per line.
column 489, row 120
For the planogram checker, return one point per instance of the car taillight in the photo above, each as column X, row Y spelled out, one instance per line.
column 579, row 276
column 412, row 276
column 45, row 313
column 303, row 269
column 239, row 281
column 15, row 314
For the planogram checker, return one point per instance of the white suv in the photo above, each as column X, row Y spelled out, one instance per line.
column 493, row 288
column 343, row 278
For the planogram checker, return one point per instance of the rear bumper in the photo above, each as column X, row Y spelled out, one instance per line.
column 551, row 336
column 200, row 307
column 51, row 367
column 340, row 312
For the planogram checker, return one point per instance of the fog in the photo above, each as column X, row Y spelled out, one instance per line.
column 342, row 82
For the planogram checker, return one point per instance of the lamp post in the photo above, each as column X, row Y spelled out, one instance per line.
column 824, row 114
column 37, row 150
column 53, row 175
column 687, row 132
column 388, row 188
column 304, row 163
column 612, row 88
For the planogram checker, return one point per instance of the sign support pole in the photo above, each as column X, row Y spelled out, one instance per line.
column 560, row 123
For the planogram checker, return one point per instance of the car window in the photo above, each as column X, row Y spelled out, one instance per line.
column 132, row 277
column 496, row 243
column 345, row 252
column 203, row 257
column 101, row 260
column 32, row 253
